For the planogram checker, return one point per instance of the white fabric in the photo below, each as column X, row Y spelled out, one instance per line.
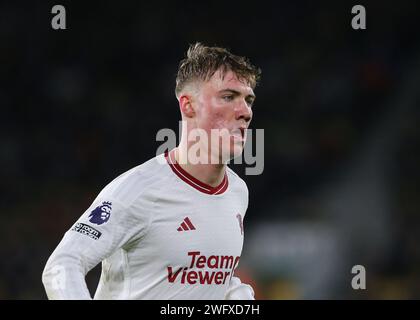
column 143, row 253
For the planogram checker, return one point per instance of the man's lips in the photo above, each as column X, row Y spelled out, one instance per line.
column 239, row 133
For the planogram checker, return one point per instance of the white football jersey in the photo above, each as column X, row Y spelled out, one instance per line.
column 160, row 234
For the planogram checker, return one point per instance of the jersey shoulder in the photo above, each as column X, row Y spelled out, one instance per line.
column 236, row 182
column 130, row 185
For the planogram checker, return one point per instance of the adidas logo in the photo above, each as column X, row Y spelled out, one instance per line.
column 186, row 225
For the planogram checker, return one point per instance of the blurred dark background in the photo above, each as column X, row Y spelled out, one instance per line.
column 339, row 107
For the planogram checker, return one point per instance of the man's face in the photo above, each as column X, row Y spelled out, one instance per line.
column 224, row 103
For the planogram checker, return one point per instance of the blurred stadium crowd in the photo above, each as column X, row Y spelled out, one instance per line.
column 339, row 108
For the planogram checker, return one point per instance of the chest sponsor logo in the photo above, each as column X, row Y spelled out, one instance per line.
column 204, row 270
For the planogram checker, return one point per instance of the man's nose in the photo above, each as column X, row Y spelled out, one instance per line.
column 243, row 111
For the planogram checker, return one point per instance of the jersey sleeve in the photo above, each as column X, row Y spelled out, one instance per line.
column 106, row 226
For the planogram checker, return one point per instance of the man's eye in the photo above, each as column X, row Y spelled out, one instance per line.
column 250, row 102
column 228, row 98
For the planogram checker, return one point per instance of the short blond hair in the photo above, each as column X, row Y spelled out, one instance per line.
column 203, row 61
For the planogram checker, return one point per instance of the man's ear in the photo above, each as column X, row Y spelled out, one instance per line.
column 185, row 104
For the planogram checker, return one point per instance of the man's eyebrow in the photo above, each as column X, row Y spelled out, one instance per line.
column 236, row 92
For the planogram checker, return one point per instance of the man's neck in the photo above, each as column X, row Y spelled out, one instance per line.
column 210, row 174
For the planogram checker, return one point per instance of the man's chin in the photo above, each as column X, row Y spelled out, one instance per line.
column 236, row 151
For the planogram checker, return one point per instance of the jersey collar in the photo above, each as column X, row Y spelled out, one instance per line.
column 193, row 182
